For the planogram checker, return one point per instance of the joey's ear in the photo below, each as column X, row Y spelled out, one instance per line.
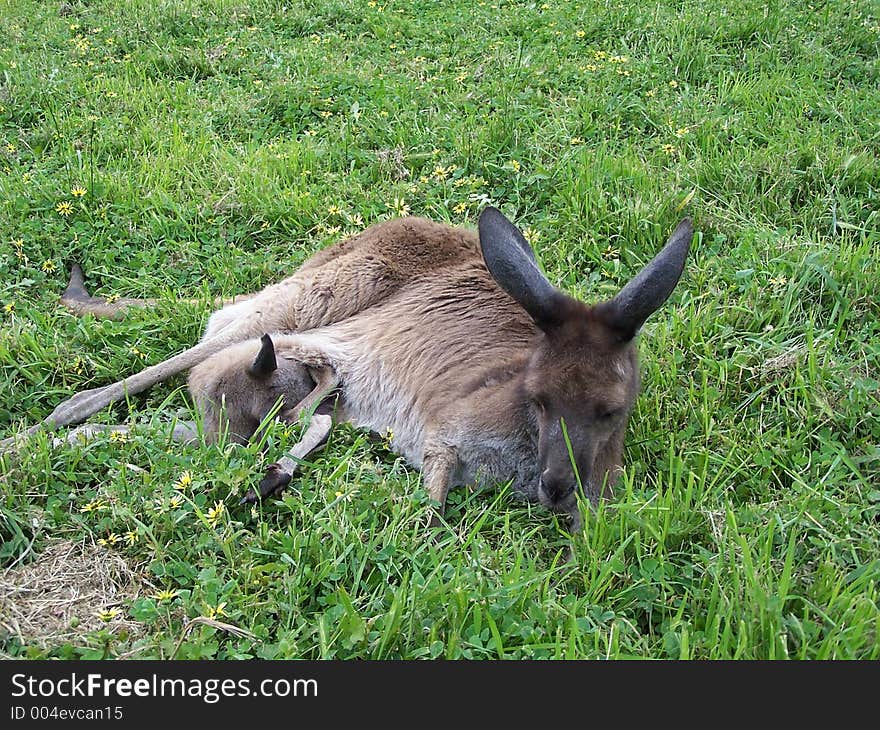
column 265, row 363
column 511, row 261
column 644, row 294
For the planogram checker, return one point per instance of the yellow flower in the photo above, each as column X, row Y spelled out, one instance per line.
column 215, row 611
column 400, row 207
column 669, row 149
column 460, row 208
column 9, row 307
column 111, row 540
column 673, row 84
column 531, row 235
column 108, row 615
column 138, row 353
column 326, row 113
column 580, row 33
column 64, row 208
column 215, row 514
column 131, row 537
column 175, row 502
column 78, row 191
column 334, row 210
column 184, row 481
column 48, row 266
column 650, row 93
column 18, row 242
column 10, row 148
column 118, row 437
column 576, row 140
column 682, row 131
column 515, row 165
column 94, row 506
column 166, row 594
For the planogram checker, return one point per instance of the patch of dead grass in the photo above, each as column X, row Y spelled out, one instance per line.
column 59, row 597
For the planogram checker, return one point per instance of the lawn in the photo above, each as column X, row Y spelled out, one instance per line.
column 199, row 148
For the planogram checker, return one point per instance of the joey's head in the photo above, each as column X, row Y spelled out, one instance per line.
column 236, row 388
column 582, row 378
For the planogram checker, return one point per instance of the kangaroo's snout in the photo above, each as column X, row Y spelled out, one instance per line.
column 556, row 488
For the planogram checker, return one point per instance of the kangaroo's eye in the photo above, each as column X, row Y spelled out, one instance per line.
column 539, row 404
column 606, row 414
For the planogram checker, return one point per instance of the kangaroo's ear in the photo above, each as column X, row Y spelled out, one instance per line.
column 511, row 261
column 264, row 363
column 644, row 294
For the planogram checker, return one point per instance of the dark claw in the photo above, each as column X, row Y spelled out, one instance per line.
column 272, row 483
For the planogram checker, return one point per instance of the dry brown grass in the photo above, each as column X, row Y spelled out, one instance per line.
column 59, row 597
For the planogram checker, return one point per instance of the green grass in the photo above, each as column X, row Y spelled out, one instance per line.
column 220, row 143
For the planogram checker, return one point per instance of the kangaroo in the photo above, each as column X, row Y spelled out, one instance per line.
column 456, row 343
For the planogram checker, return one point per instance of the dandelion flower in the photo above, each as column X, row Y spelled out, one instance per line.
column 118, row 437
column 184, row 481
column 673, row 84
column 166, row 594
column 78, row 191
column 10, row 148
column 108, row 615
column 515, row 165
column 9, row 307
column 400, row 207
column 216, row 611
column 215, row 514
column 64, row 208
column 48, row 266
column 682, row 131
column 669, row 149
column 576, row 140
column 175, row 502
column 93, row 506
column 131, row 537
column 460, row 208
column 531, row 235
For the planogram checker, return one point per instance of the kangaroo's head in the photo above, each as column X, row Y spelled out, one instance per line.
column 238, row 387
column 582, row 377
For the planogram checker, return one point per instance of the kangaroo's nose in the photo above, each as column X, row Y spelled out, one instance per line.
column 557, row 486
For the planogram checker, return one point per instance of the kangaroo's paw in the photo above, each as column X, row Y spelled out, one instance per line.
column 273, row 482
